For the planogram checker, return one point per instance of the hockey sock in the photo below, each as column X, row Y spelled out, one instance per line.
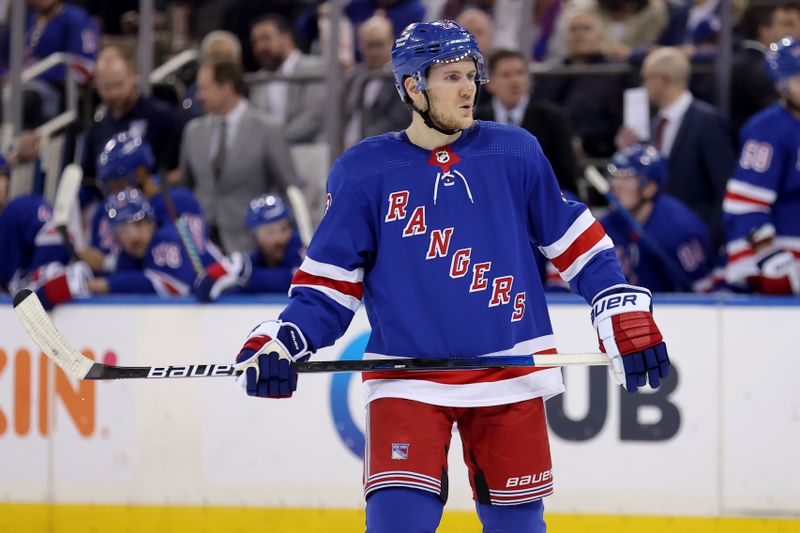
column 402, row 510
column 523, row 518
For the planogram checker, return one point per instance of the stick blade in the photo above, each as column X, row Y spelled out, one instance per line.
column 41, row 329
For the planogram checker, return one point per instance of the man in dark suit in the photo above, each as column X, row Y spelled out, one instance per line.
column 512, row 104
column 372, row 103
column 692, row 135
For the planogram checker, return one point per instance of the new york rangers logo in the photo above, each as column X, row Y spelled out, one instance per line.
column 400, row 451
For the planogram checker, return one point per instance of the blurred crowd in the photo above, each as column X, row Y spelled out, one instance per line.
column 202, row 184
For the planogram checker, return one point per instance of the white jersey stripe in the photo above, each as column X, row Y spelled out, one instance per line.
column 761, row 194
column 345, row 300
column 581, row 224
column 326, row 270
column 603, row 244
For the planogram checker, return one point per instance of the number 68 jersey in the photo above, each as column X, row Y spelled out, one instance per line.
column 439, row 245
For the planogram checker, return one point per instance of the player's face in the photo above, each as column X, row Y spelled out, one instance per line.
column 510, row 81
column 269, row 45
column 272, row 240
column 451, row 90
column 135, row 237
column 117, row 185
column 627, row 188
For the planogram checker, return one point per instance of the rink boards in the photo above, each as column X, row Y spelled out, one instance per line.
column 719, row 440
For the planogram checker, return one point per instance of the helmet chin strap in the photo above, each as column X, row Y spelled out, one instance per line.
column 426, row 115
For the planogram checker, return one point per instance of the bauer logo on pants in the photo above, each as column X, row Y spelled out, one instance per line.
column 400, row 451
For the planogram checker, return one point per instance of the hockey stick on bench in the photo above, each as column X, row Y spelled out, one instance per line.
column 42, row 330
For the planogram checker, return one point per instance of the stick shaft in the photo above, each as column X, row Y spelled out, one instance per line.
column 100, row 371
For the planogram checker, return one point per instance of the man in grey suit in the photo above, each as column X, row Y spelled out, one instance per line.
column 298, row 106
column 231, row 154
column 372, row 102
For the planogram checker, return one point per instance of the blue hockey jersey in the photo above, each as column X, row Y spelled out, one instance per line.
column 165, row 269
column 28, row 240
column 681, row 234
column 275, row 279
column 72, row 31
column 186, row 207
column 439, row 246
column 762, row 199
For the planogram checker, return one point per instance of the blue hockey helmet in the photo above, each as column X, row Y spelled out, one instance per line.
column 641, row 160
column 266, row 209
column 783, row 59
column 122, row 155
column 129, row 205
column 424, row 44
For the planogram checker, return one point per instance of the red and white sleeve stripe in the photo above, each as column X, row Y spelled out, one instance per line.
column 583, row 240
column 742, row 198
column 166, row 285
column 343, row 286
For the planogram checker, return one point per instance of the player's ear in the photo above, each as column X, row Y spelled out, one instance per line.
column 411, row 89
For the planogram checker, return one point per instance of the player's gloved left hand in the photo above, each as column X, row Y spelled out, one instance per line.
column 267, row 359
column 62, row 284
column 779, row 272
column 622, row 316
column 219, row 277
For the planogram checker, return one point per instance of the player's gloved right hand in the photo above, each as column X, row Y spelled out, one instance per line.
column 267, row 358
column 219, row 277
column 779, row 272
column 61, row 284
column 623, row 318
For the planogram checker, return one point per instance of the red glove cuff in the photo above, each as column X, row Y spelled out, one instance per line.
column 634, row 332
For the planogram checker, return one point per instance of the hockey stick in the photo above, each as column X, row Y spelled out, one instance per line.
column 183, row 231
column 675, row 272
column 301, row 215
column 66, row 196
column 42, row 330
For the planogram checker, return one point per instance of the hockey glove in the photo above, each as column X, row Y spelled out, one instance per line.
column 62, row 284
column 622, row 316
column 267, row 359
column 779, row 272
column 219, row 277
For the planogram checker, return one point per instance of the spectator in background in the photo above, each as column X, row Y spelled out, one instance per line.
column 298, row 106
column 218, row 45
column 231, row 154
column 763, row 22
column 638, row 174
column 511, row 103
column 629, row 24
column 400, row 12
column 126, row 109
column 593, row 102
column 270, row 266
column 372, row 104
column 692, row 135
column 762, row 204
column 479, row 24
column 52, row 26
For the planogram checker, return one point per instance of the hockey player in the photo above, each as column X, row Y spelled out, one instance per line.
column 152, row 258
column 270, row 267
column 30, row 244
column 432, row 228
column 126, row 161
column 638, row 174
column 762, row 199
